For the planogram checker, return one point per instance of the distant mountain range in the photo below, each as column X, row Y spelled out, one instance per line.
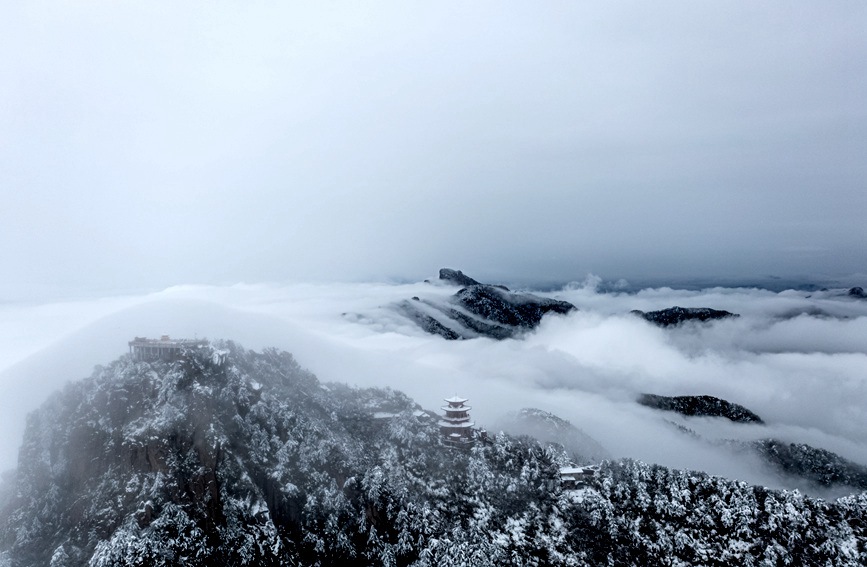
column 496, row 312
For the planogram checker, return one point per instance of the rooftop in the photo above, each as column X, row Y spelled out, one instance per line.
column 456, row 400
column 166, row 341
column 456, row 425
column 453, row 408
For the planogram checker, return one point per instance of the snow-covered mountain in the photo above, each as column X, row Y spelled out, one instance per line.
column 479, row 310
column 234, row 457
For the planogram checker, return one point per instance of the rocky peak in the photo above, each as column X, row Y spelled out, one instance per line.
column 456, row 277
column 480, row 310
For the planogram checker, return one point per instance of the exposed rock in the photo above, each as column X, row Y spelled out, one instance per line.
column 473, row 327
column 481, row 310
column 700, row 406
column 426, row 322
column 523, row 311
column 677, row 315
column 858, row 292
column 459, row 278
column 456, row 277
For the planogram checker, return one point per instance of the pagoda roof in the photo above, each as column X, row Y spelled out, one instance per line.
column 456, row 400
column 460, row 425
column 454, row 419
column 453, row 408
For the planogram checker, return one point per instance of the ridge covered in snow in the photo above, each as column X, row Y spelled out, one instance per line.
column 229, row 456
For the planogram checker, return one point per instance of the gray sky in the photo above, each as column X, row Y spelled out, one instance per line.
column 156, row 143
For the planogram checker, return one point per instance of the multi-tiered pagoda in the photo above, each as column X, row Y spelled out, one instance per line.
column 456, row 425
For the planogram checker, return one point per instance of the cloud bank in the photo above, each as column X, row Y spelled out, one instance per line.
column 794, row 358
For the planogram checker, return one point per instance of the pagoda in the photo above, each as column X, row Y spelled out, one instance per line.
column 456, row 425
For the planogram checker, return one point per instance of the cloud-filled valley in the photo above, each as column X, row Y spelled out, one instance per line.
column 287, row 174
column 797, row 359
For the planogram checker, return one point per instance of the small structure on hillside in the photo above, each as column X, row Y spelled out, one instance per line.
column 572, row 478
column 164, row 348
column 455, row 424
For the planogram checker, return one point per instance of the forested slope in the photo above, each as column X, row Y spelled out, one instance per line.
column 233, row 457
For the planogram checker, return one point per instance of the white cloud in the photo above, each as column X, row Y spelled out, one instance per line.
column 805, row 376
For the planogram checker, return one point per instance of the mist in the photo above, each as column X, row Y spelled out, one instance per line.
column 796, row 359
column 281, row 175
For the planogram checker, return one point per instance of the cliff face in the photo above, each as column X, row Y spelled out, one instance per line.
column 231, row 457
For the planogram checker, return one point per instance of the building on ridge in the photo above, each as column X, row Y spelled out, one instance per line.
column 164, row 348
column 455, row 425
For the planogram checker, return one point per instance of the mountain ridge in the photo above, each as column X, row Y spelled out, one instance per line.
column 234, row 457
column 480, row 310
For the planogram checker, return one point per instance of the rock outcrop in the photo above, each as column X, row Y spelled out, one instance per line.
column 677, row 315
column 456, row 277
column 481, row 310
column 700, row 406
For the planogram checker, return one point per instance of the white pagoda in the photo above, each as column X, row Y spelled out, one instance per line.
column 455, row 424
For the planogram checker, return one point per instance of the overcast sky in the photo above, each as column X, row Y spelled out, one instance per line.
column 156, row 143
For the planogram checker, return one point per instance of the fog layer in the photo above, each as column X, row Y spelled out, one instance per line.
column 796, row 359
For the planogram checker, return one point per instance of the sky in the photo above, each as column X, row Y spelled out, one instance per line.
column 151, row 144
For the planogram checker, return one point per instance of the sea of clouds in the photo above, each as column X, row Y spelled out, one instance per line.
column 798, row 359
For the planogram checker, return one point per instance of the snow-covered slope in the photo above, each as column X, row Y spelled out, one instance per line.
column 235, row 457
column 25, row 385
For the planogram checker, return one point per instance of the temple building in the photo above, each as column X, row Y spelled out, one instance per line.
column 163, row 348
column 455, row 424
